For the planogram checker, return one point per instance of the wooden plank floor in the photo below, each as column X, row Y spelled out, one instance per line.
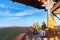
column 38, row 37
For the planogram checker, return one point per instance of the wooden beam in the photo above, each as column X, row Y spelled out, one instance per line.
column 57, row 12
column 56, row 6
column 34, row 3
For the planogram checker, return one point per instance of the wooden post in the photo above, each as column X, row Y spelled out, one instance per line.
column 27, row 37
column 50, row 21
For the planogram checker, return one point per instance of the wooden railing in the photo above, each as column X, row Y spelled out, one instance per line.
column 21, row 36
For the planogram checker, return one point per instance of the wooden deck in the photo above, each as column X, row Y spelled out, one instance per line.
column 35, row 37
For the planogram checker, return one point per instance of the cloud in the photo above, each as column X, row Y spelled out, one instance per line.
column 22, row 13
column 27, row 12
column 17, row 15
column 2, row 5
column 4, row 13
column 10, row 18
column 8, row 15
column 13, row 18
column 9, row 7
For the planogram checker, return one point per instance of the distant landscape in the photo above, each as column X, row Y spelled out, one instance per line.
column 10, row 33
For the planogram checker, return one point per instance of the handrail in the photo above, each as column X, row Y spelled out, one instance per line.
column 21, row 36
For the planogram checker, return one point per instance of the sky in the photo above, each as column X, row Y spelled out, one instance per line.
column 17, row 14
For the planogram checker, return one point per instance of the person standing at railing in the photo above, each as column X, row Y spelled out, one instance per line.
column 43, row 31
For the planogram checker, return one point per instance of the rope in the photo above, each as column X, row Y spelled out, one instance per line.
column 56, row 16
column 53, row 17
column 55, row 22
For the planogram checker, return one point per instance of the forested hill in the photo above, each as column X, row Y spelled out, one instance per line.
column 10, row 33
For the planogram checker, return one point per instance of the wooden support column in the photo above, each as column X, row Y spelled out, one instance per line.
column 50, row 21
column 27, row 37
column 50, row 32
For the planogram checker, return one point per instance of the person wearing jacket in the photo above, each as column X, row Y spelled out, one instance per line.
column 43, row 31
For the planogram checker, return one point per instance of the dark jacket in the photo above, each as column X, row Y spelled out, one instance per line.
column 43, row 27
